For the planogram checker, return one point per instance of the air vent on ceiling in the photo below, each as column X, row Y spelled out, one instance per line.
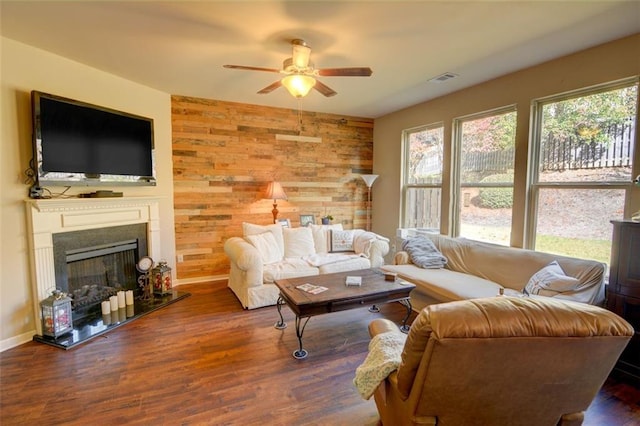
column 443, row 77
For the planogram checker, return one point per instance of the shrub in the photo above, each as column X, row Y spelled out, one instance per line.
column 496, row 198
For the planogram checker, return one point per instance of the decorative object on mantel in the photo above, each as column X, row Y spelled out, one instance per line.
column 369, row 179
column 326, row 219
column 56, row 314
column 275, row 193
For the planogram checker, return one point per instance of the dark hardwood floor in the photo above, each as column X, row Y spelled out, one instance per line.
column 205, row 360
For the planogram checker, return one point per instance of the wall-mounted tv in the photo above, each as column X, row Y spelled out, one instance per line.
column 77, row 143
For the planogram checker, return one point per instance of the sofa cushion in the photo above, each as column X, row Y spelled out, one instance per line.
column 321, row 236
column 267, row 246
column 275, row 229
column 445, row 285
column 352, row 264
column 298, row 242
column 288, row 268
column 550, row 281
column 340, row 241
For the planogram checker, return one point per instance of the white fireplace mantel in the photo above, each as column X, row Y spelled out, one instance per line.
column 51, row 216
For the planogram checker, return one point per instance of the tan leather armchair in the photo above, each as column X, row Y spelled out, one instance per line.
column 501, row 361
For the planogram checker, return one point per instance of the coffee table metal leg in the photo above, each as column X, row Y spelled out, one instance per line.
column 404, row 327
column 280, row 325
column 300, row 353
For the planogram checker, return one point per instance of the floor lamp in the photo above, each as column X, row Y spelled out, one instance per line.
column 368, row 179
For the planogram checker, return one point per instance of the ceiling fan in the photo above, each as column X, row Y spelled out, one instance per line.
column 300, row 74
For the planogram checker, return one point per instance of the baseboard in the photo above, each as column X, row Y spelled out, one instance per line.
column 201, row 280
column 14, row 341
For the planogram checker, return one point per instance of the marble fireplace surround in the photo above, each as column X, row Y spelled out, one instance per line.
column 46, row 217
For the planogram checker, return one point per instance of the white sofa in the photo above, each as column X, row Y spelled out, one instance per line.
column 267, row 253
column 475, row 270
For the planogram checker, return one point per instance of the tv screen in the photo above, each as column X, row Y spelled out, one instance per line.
column 76, row 143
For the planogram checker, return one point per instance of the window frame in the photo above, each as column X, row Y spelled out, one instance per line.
column 406, row 186
column 456, row 163
column 534, row 185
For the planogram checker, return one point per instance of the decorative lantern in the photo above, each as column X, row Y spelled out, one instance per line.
column 56, row 314
column 161, row 278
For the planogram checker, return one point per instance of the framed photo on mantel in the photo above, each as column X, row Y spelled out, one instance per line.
column 306, row 219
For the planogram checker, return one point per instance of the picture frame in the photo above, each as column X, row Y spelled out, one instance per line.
column 286, row 223
column 307, row 219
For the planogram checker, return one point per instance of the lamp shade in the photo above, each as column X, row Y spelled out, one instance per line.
column 368, row 179
column 275, row 192
column 298, row 85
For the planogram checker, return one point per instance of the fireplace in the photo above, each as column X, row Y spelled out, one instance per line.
column 53, row 220
column 92, row 265
column 89, row 247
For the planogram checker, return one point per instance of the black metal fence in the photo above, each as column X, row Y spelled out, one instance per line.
column 614, row 148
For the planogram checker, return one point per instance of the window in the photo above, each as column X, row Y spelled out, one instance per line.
column 422, row 175
column 484, row 164
column 582, row 158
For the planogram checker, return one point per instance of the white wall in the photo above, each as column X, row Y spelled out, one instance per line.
column 601, row 64
column 23, row 69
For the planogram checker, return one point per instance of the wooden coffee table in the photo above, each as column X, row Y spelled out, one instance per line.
column 339, row 297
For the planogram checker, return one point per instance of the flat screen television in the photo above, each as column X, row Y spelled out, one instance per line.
column 77, row 143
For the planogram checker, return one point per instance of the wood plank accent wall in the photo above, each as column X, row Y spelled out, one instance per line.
column 225, row 154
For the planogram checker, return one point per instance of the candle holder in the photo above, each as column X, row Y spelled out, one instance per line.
column 161, row 276
column 56, row 314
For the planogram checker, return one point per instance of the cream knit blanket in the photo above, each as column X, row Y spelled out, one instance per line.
column 385, row 350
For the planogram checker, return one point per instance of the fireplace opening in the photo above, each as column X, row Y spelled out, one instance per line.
column 92, row 265
column 96, row 273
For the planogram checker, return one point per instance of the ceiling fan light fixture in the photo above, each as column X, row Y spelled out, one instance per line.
column 298, row 85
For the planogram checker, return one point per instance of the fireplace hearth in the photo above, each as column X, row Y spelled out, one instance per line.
column 96, row 324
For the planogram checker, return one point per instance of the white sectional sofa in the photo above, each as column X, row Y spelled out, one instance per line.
column 475, row 269
column 267, row 253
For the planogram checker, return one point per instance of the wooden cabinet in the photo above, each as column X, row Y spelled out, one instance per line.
column 623, row 291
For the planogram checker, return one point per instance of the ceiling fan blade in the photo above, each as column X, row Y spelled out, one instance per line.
column 242, row 67
column 270, row 88
column 324, row 89
column 345, row 72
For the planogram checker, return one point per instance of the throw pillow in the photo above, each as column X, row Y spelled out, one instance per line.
column 298, row 242
column 321, row 236
column 267, row 246
column 275, row 229
column 341, row 241
column 424, row 253
column 550, row 280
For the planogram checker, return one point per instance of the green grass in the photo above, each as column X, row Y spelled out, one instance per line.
column 599, row 250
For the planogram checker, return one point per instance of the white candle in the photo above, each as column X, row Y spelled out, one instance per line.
column 113, row 300
column 121, row 299
column 129, row 297
column 106, row 308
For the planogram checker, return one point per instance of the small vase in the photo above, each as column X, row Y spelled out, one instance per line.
column 325, row 221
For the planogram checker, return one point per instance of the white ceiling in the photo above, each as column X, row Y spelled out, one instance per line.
column 179, row 47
